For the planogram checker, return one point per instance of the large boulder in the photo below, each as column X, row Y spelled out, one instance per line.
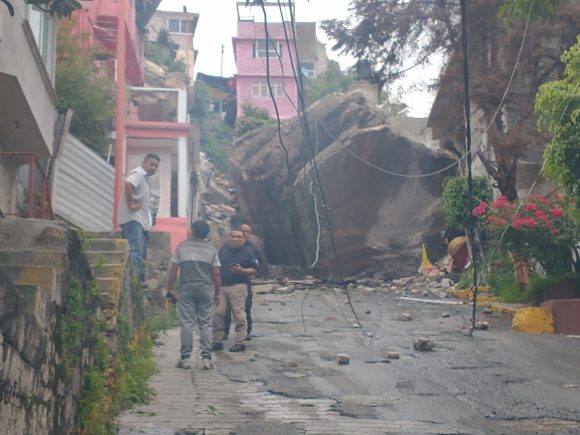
column 379, row 220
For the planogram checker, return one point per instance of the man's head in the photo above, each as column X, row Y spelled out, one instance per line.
column 236, row 238
column 200, row 229
column 246, row 231
column 150, row 163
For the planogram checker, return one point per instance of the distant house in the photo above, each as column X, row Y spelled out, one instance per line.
column 255, row 55
column 181, row 28
column 27, row 114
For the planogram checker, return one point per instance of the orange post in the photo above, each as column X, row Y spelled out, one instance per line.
column 120, row 115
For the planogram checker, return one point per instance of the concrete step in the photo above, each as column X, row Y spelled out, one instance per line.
column 108, row 271
column 27, row 233
column 106, row 257
column 44, row 277
column 107, row 245
column 35, row 257
column 109, row 291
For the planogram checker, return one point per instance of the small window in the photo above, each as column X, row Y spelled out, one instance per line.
column 180, row 26
column 308, row 69
column 262, row 49
column 260, row 89
column 173, row 26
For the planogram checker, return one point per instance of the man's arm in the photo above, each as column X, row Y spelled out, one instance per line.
column 217, row 284
column 131, row 203
column 171, row 280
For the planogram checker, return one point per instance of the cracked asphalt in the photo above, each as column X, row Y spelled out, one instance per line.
column 288, row 380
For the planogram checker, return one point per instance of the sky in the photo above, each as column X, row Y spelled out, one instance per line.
column 218, row 23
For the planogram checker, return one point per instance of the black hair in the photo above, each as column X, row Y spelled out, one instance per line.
column 200, row 229
column 152, row 156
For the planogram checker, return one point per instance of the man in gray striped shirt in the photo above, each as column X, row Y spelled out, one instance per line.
column 199, row 288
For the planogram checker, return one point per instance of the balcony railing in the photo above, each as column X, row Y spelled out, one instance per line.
column 37, row 203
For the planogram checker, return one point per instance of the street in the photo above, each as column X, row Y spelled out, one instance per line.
column 289, row 381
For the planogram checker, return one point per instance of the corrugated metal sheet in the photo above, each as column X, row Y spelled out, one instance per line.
column 83, row 187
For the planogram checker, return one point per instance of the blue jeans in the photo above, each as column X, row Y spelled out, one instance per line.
column 133, row 232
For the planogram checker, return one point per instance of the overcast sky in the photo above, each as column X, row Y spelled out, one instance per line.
column 218, row 23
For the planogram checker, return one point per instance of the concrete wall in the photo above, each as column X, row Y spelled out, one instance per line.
column 83, row 187
column 310, row 49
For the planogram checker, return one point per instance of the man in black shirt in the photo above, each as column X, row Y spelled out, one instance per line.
column 238, row 264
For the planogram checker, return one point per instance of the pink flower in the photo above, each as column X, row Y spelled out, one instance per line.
column 557, row 213
column 479, row 210
column 530, row 206
column 500, row 202
column 540, row 215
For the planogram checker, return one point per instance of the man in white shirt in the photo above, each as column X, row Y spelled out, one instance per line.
column 134, row 214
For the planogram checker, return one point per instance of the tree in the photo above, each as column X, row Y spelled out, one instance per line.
column 253, row 118
column 394, row 36
column 82, row 87
column 215, row 133
column 332, row 80
column 558, row 108
column 61, row 8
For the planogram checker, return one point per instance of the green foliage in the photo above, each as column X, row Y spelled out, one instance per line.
column 455, row 199
column 514, row 9
column 82, row 87
column 60, row 8
column 163, row 53
column 558, row 108
column 216, row 135
column 71, row 328
column 253, row 118
column 332, row 80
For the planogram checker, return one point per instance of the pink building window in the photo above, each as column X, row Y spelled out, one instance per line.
column 260, row 89
column 263, row 50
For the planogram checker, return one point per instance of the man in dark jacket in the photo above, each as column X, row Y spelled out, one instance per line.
column 238, row 264
column 262, row 271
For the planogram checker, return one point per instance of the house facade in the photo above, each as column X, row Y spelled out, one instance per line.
column 180, row 27
column 27, row 114
column 265, row 53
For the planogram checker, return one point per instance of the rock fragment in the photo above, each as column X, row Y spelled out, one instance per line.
column 342, row 358
column 445, row 315
column 423, row 344
column 405, row 317
column 392, row 355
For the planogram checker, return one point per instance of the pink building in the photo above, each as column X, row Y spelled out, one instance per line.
column 252, row 55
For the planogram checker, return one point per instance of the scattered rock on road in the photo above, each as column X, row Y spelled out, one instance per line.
column 342, row 358
column 423, row 344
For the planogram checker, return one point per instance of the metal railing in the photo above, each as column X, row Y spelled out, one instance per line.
column 38, row 203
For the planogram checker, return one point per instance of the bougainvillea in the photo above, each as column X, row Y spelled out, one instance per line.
column 540, row 228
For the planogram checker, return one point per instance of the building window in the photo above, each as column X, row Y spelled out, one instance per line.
column 180, row 26
column 308, row 69
column 263, row 50
column 41, row 25
column 260, row 89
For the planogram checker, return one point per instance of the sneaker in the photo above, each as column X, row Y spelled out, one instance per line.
column 248, row 337
column 183, row 363
column 237, row 348
column 217, row 346
column 206, row 364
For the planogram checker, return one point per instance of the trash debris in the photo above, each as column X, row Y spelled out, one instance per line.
column 431, row 301
column 423, row 344
column 342, row 358
column 481, row 325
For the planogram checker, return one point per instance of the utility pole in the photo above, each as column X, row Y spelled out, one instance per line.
column 222, row 63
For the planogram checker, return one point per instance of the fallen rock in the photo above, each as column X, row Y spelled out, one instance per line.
column 405, row 317
column 423, row 344
column 342, row 358
column 445, row 315
column 392, row 355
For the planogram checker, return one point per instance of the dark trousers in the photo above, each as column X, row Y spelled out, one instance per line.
column 228, row 316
